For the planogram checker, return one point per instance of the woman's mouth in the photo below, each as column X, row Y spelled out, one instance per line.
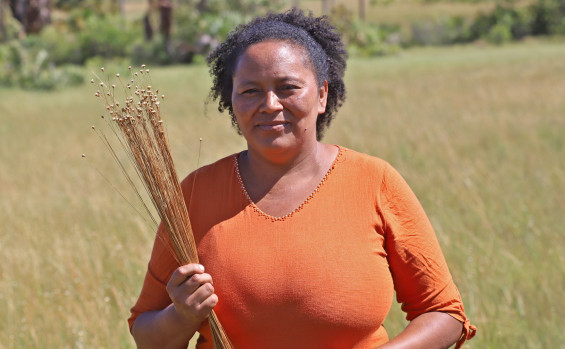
column 273, row 126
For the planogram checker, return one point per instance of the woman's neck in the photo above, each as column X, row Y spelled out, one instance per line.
column 280, row 163
column 271, row 175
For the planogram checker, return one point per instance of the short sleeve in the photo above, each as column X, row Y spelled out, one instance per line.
column 161, row 266
column 422, row 280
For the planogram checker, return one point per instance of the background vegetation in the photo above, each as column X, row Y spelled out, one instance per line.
column 42, row 44
column 477, row 130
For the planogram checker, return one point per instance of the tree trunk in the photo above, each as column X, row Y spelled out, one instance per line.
column 33, row 14
column 147, row 27
column 3, row 34
column 166, row 16
column 122, row 7
column 327, row 6
column 362, row 9
column 202, row 5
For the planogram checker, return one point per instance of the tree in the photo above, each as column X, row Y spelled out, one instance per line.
column 165, row 9
column 327, row 6
column 362, row 9
column 32, row 14
column 3, row 34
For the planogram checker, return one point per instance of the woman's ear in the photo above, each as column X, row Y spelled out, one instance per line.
column 323, row 97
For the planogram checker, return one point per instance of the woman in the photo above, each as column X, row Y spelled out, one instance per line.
column 306, row 242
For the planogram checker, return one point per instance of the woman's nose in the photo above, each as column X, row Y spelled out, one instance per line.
column 271, row 103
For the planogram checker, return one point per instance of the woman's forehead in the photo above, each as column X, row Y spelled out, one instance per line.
column 273, row 55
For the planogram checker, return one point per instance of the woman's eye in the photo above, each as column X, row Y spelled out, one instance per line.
column 250, row 91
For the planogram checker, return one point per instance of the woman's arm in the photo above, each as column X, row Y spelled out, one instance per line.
column 193, row 298
column 422, row 280
column 432, row 330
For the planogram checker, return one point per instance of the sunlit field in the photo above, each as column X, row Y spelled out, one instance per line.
column 477, row 131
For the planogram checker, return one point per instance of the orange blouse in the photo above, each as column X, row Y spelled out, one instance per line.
column 323, row 276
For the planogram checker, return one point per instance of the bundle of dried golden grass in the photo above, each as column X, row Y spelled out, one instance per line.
column 137, row 123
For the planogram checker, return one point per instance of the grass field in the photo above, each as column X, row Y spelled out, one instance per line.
column 477, row 131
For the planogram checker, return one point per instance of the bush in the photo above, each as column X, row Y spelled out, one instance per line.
column 445, row 31
column 499, row 34
column 29, row 67
column 12, row 27
column 199, row 27
column 150, row 52
column 83, row 36
column 505, row 23
column 548, row 17
column 501, row 25
column 198, row 33
column 105, row 36
column 63, row 47
column 365, row 38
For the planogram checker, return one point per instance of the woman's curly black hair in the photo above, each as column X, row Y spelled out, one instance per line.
column 319, row 38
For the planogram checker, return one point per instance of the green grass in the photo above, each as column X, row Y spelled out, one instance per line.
column 477, row 131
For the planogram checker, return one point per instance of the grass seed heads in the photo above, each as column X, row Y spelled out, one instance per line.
column 143, row 139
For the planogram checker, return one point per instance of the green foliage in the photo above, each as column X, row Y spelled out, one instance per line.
column 83, row 36
column 506, row 23
column 502, row 25
column 197, row 29
column 250, row 8
column 445, row 31
column 198, row 33
column 62, row 46
column 548, row 17
column 365, row 38
column 98, row 7
column 11, row 26
column 28, row 66
column 499, row 34
column 42, row 61
column 105, row 36
column 152, row 52
column 93, row 28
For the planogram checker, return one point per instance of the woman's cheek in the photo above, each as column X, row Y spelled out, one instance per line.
column 238, row 106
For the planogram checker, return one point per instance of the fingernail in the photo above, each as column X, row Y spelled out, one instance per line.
column 201, row 267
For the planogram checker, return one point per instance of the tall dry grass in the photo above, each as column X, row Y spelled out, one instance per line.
column 476, row 131
column 479, row 134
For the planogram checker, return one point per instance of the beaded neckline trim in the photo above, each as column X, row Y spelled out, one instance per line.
column 304, row 203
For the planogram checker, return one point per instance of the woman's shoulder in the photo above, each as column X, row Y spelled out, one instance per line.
column 358, row 161
column 213, row 172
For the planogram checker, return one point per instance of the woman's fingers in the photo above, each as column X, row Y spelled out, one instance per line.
column 203, row 300
column 192, row 292
column 184, row 272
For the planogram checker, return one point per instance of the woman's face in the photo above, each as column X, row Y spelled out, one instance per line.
column 276, row 98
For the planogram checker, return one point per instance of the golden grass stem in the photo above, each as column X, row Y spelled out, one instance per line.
column 138, row 126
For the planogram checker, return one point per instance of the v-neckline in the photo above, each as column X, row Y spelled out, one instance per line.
column 260, row 212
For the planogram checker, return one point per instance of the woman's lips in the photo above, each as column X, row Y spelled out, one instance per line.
column 273, row 126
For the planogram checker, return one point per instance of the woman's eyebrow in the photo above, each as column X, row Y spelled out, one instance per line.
column 286, row 78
